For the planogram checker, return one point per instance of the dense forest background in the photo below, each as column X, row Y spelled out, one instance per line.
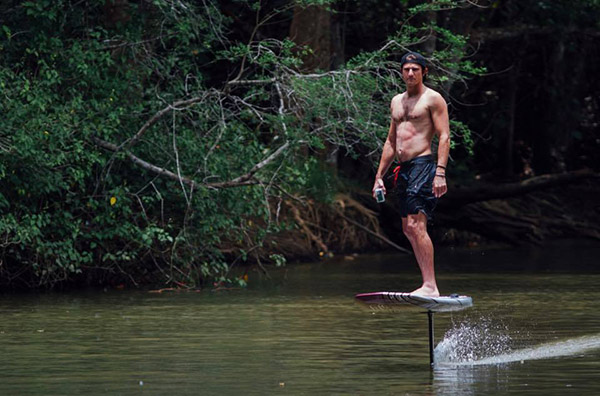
column 175, row 142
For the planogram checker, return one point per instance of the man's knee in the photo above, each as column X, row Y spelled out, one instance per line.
column 415, row 225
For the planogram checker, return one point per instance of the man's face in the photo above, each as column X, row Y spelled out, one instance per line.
column 412, row 73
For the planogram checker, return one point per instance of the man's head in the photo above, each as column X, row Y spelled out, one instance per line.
column 414, row 67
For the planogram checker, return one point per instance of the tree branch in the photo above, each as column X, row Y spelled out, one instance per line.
column 375, row 234
column 261, row 164
column 246, row 179
column 157, row 116
column 144, row 164
column 251, row 82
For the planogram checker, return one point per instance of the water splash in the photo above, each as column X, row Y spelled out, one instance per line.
column 575, row 346
column 468, row 342
column 489, row 343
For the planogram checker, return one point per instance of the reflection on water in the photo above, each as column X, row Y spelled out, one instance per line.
column 533, row 330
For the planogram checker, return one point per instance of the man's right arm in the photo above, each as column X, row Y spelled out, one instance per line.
column 387, row 156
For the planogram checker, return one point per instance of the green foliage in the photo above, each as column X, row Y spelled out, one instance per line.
column 67, row 206
column 278, row 259
column 354, row 112
column 76, row 83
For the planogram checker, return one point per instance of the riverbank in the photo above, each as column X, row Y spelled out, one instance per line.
column 351, row 223
column 359, row 225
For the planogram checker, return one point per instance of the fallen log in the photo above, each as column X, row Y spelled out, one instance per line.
column 526, row 214
column 459, row 196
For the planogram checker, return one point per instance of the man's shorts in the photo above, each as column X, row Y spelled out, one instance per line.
column 414, row 188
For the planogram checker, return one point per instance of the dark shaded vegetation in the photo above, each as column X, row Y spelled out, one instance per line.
column 170, row 142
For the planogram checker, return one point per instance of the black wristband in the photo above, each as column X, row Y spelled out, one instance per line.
column 441, row 166
column 440, row 175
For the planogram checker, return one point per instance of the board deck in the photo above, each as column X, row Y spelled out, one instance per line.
column 453, row 302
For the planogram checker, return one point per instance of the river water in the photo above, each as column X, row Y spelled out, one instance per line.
column 534, row 329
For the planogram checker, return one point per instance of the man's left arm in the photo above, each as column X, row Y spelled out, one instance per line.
column 441, row 125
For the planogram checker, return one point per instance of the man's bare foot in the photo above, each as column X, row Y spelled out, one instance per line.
column 426, row 291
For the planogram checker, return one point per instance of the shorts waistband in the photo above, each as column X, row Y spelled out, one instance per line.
column 418, row 160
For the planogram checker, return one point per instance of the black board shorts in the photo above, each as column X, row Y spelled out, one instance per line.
column 414, row 186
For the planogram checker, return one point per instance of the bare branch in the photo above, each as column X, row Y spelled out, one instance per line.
column 243, row 180
column 247, row 179
column 143, row 164
column 158, row 115
column 251, row 82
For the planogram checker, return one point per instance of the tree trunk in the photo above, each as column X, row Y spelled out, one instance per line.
column 459, row 21
column 549, row 146
column 509, row 169
column 338, row 38
column 116, row 12
column 311, row 27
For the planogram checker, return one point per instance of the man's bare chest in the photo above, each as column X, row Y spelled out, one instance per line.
column 410, row 110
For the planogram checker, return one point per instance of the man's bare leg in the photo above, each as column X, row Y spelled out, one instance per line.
column 415, row 229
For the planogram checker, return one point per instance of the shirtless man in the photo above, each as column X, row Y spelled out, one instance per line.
column 417, row 115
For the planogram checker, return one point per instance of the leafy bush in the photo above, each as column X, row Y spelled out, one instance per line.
column 140, row 143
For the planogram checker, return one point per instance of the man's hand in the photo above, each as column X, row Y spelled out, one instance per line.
column 378, row 184
column 439, row 185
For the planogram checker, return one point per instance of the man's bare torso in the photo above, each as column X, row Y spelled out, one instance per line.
column 413, row 124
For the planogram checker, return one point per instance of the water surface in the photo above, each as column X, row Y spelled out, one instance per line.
column 534, row 329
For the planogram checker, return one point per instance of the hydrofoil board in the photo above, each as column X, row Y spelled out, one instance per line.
column 453, row 302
